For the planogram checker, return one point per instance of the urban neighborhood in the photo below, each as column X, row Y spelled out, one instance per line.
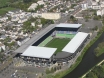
column 51, row 38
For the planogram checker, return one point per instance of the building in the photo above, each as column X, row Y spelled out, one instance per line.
column 96, row 7
column 30, row 51
column 53, row 16
column 2, row 47
column 33, row 6
column 91, row 4
column 14, row 18
column 39, row 53
column 84, row 6
column 21, row 41
column 40, row 3
column 3, row 19
column 100, row 12
column 102, row 5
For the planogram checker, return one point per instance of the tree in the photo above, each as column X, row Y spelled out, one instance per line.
column 95, row 28
column 52, row 70
column 95, row 18
column 47, row 71
column 95, row 13
column 72, row 17
column 86, row 18
column 26, row 1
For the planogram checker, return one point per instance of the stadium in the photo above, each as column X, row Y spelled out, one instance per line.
column 56, row 43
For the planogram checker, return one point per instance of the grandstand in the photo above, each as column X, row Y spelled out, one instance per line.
column 48, row 39
column 65, row 35
column 72, row 48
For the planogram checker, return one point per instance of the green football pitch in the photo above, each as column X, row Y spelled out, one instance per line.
column 58, row 43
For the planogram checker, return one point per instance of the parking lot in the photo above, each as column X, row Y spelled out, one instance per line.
column 89, row 25
column 22, row 71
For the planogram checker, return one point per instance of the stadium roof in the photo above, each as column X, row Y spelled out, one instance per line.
column 34, row 39
column 73, row 45
column 68, row 25
column 41, row 52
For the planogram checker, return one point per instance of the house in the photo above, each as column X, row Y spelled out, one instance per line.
column 2, row 47
column 33, row 24
column 40, row 3
column 0, row 25
column 84, row 6
column 36, row 15
column 100, row 12
column 33, row 6
column 102, row 5
column 3, row 37
column 28, row 15
column 91, row 4
column 102, row 1
column 15, row 11
column 14, row 18
column 3, row 19
column 40, row 26
column 21, row 41
column 94, row 3
column 97, row 0
column 22, row 20
column 96, row 7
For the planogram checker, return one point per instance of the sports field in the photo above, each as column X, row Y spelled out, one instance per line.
column 58, row 43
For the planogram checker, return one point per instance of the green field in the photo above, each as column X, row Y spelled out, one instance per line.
column 3, row 2
column 58, row 43
column 5, row 10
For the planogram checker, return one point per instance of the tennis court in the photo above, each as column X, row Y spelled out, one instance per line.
column 58, row 43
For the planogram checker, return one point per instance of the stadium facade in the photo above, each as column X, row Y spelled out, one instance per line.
column 35, row 50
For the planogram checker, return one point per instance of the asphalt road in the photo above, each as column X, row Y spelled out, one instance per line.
column 66, row 17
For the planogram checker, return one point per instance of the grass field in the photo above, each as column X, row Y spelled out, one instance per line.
column 5, row 10
column 58, row 43
column 3, row 2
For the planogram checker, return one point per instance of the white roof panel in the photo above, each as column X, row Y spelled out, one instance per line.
column 41, row 52
column 73, row 45
column 69, row 25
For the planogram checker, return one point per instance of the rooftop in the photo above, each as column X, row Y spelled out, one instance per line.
column 69, row 25
column 73, row 45
column 41, row 52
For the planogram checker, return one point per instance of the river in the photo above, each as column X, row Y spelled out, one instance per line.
column 89, row 60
